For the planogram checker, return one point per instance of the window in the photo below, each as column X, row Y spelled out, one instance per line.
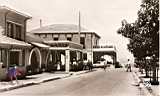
column 14, row 31
column 10, row 29
column 69, row 38
column 3, row 57
column 82, row 41
column 85, row 56
column 39, row 35
column 55, row 39
column 96, row 42
column 18, row 32
column 14, row 58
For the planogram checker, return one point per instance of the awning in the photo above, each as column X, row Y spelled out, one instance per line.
column 7, row 42
column 40, row 45
column 65, row 43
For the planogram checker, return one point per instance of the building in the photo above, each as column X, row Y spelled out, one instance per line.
column 13, row 45
column 105, row 52
column 62, row 36
column 17, row 47
column 64, row 42
column 37, row 55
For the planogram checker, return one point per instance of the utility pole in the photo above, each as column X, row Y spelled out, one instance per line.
column 40, row 23
column 79, row 27
column 79, row 31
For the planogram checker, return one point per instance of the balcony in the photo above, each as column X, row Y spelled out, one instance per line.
column 103, row 46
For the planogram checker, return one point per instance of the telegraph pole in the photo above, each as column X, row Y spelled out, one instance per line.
column 79, row 27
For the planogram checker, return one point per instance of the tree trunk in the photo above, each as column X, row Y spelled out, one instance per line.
column 146, row 71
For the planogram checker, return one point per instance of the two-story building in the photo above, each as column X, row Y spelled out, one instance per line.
column 18, row 47
column 65, row 43
column 57, row 35
column 13, row 45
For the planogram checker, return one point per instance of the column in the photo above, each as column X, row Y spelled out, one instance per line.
column 67, row 53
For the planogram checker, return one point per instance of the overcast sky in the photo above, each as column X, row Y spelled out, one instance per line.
column 102, row 16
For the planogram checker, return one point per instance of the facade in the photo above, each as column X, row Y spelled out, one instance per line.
column 65, row 45
column 37, row 55
column 69, row 32
column 13, row 45
column 105, row 51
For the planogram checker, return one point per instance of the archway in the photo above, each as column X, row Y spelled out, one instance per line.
column 35, row 60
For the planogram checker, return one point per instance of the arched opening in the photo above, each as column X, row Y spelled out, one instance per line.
column 35, row 60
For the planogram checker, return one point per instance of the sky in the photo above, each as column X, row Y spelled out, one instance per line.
column 102, row 16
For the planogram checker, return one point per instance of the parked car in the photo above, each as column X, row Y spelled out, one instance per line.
column 99, row 64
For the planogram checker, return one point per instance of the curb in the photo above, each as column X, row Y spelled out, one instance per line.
column 32, row 83
column 41, row 81
column 138, row 79
column 17, row 86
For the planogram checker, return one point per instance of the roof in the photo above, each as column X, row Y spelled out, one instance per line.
column 7, row 41
column 7, row 9
column 35, row 40
column 30, row 37
column 61, row 28
column 58, row 28
column 61, row 41
column 58, row 44
column 40, row 45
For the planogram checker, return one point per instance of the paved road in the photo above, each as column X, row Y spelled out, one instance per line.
column 113, row 82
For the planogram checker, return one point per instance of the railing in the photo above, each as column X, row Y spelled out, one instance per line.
column 104, row 46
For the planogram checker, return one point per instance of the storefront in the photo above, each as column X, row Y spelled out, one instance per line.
column 12, row 53
column 37, row 57
column 63, row 53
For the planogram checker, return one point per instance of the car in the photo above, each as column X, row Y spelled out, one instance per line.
column 99, row 64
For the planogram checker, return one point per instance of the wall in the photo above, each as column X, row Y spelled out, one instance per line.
column 90, row 40
column 75, row 38
column 2, row 20
column 15, row 18
column 62, row 37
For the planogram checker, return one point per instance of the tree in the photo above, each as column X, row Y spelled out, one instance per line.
column 143, row 34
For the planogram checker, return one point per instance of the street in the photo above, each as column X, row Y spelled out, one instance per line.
column 113, row 82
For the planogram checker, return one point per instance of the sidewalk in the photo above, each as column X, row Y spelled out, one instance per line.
column 155, row 89
column 37, row 79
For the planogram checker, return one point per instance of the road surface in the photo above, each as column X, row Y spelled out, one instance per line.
column 113, row 82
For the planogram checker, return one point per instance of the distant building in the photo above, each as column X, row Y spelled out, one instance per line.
column 105, row 51
column 59, row 36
